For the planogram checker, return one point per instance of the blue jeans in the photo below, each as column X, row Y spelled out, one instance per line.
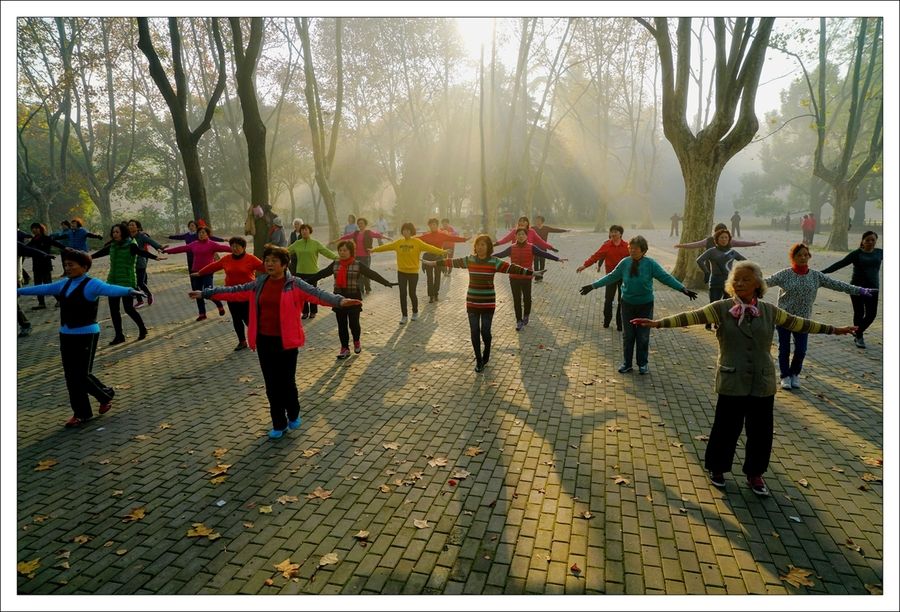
column 634, row 335
column 784, row 351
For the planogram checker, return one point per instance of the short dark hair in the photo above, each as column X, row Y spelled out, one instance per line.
column 796, row 248
column 617, row 228
column 80, row 257
column 65, row 222
column 866, row 235
column 273, row 250
column 307, row 226
column 350, row 246
column 238, row 240
column 408, row 226
column 719, row 226
column 433, row 220
column 138, row 223
column 540, row 218
column 40, row 226
column 719, row 233
column 204, row 228
column 484, row 238
column 640, row 242
column 123, row 230
column 362, row 220
column 525, row 219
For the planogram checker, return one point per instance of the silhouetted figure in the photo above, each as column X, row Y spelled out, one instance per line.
column 675, row 219
column 736, row 224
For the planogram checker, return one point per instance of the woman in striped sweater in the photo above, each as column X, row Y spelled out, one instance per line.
column 480, row 297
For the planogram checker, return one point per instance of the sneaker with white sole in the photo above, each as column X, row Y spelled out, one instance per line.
column 415, row 316
column 758, row 485
column 795, row 381
column 786, row 383
column 403, row 320
column 717, row 479
column 860, row 343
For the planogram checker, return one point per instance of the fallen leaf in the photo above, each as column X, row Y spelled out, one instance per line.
column 797, row 576
column 452, row 482
column 265, row 509
column 245, row 379
column 39, row 518
column 384, row 488
column 63, row 565
column 575, row 569
column 460, row 474
column 677, row 444
column 82, row 539
column 358, row 452
column 103, row 462
column 108, row 544
column 870, row 477
column 28, row 568
column 837, row 469
column 269, row 582
column 775, row 534
column 165, row 426
column 329, row 559
column 613, row 428
column 586, row 515
column 64, row 554
column 320, row 493
column 438, row 462
column 853, row 546
column 702, row 438
column 362, row 535
column 218, row 469
column 803, row 482
column 421, row 523
column 140, row 437
column 473, row 451
column 286, row 499
column 873, row 461
column 121, row 551
column 587, row 383
column 45, row 464
column 199, row 530
column 390, row 445
column 218, row 480
column 288, row 569
column 874, row 589
column 311, row 451
column 796, row 519
column 621, row 479
column 136, row 514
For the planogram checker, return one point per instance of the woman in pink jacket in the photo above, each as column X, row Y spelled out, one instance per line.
column 275, row 331
column 203, row 252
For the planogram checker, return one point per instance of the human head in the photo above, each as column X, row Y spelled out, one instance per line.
column 119, row 232
column 445, row 222
column 749, row 267
column 38, row 228
column 277, row 222
column 640, row 244
column 869, row 239
column 77, row 222
column 433, row 224
column 539, row 220
column 521, row 235
column 407, row 229
column 524, row 222
column 717, row 238
column 80, row 258
column 362, row 223
column 346, row 249
column 485, row 240
column 279, row 253
column 799, row 249
column 297, row 223
column 65, row 224
column 305, row 230
column 719, row 226
column 202, row 233
column 238, row 245
column 133, row 228
column 351, row 219
column 615, row 232
column 192, row 226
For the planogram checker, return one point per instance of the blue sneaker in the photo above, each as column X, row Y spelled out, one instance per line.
column 644, row 369
column 276, row 433
column 295, row 423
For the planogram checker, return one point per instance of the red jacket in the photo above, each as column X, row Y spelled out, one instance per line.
column 237, row 271
column 296, row 292
column 439, row 238
column 610, row 254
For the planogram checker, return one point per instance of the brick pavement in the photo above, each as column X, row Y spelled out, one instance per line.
column 554, row 424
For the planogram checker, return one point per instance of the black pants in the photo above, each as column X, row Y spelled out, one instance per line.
column 77, row 351
column 199, row 283
column 142, row 282
column 309, row 307
column 613, row 292
column 43, row 275
column 116, row 316
column 864, row 311
column 348, row 322
column 365, row 282
column 480, row 329
column 521, row 292
column 432, row 275
column 733, row 413
column 240, row 318
column 408, row 283
column 279, row 370
column 717, row 293
column 540, row 263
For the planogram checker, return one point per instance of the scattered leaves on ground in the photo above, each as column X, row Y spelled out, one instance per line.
column 199, row 530
column 136, row 514
column 45, row 464
column 390, row 445
column 286, row 499
column 165, row 426
column 870, row 477
column 384, row 488
column 803, row 482
column 438, row 462
column 309, row 452
column 218, row 480
column 621, row 480
column 320, row 493
column 873, row 461
column 797, row 576
column 473, row 451
column 265, row 509
column 28, row 568
column 421, row 523
column 329, row 559
column 460, row 474
column 82, row 539
column 288, row 569
column 216, row 470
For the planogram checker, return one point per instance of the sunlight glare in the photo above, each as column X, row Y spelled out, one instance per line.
column 474, row 32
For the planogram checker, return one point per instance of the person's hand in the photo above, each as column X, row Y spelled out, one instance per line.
column 563, row 259
column 644, row 322
column 539, row 274
column 348, row 303
column 843, row 331
column 760, row 242
column 195, row 274
column 689, row 293
column 136, row 294
column 554, row 249
column 161, row 258
column 393, row 284
column 580, row 268
column 587, row 289
column 195, row 295
column 866, row 292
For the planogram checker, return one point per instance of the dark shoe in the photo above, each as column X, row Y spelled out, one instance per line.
column 104, row 408
column 525, row 320
column 520, row 325
column 304, row 316
column 431, row 299
column 312, row 315
column 344, row 354
column 624, row 369
column 758, row 485
column 860, row 343
column 221, row 311
column 201, row 317
column 117, row 340
column 707, row 327
column 606, row 324
column 142, row 335
column 241, row 345
column 717, row 479
column 479, row 365
column 644, row 369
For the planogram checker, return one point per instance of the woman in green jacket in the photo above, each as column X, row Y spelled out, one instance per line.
column 305, row 263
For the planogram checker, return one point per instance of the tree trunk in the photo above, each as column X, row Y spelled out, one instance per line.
column 859, row 209
column 600, row 217
column 842, row 199
column 701, row 178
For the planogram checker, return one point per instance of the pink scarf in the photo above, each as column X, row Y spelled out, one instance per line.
column 740, row 309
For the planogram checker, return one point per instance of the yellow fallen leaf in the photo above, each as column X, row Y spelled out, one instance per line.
column 121, row 551
column 140, row 437
column 421, row 523
column 873, row 461
column 287, row 569
column 218, row 480
column 39, row 518
column 803, row 482
column 165, row 426
column 460, row 474
column 269, row 582
column 45, row 464
column 390, row 446
column 218, row 469
column 64, row 554
column 384, row 488
column 82, row 539
column 309, row 452
column 621, row 479
column 362, row 535
column 320, row 493
column 797, row 576
column 265, row 509
column 613, row 428
column 136, row 514
column 473, row 451
column 869, row 477
column 28, row 568
column 118, row 492
column 837, row 469
column 438, row 462
column 219, row 452
column 285, row 499
column 249, row 524
column 329, row 559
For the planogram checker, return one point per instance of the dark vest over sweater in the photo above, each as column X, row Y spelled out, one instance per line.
column 75, row 309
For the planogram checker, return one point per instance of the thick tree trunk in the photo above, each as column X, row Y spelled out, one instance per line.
column 600, row 218
column 859, row 209
column 843, row 197
column 701, row 178
column 253, row 126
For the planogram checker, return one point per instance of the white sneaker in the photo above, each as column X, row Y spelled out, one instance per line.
column 415, row 316
column 786, row 382
column 795, row 381
column 403, row 320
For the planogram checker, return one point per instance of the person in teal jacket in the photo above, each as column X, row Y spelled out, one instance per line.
column 637, row 273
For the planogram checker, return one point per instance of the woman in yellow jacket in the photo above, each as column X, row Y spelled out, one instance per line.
column 408, row 250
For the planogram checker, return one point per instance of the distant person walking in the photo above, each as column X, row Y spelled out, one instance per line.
column 736, row 224
column 673, row 228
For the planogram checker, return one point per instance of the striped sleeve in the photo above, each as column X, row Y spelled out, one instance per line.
column 702, row 316
column 459, row 262
column 798, row 324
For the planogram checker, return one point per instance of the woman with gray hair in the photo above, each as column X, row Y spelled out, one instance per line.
column 745, row 376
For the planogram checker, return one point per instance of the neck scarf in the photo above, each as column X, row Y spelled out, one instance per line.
column 740, row 309
column 800, row 269
column 341, row 275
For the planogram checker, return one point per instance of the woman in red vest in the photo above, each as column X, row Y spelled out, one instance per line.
column 523, row 253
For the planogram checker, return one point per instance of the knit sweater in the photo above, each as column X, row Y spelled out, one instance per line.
column 523, row 256
column 866, row 267
column 638, row 289
column 237, row 271
column 307, row 251
column 480, row 296
column 354, row 270
column 798, row 291
column 408, row 251
column 363, row 240
column 610, row 254
column 545, row 230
